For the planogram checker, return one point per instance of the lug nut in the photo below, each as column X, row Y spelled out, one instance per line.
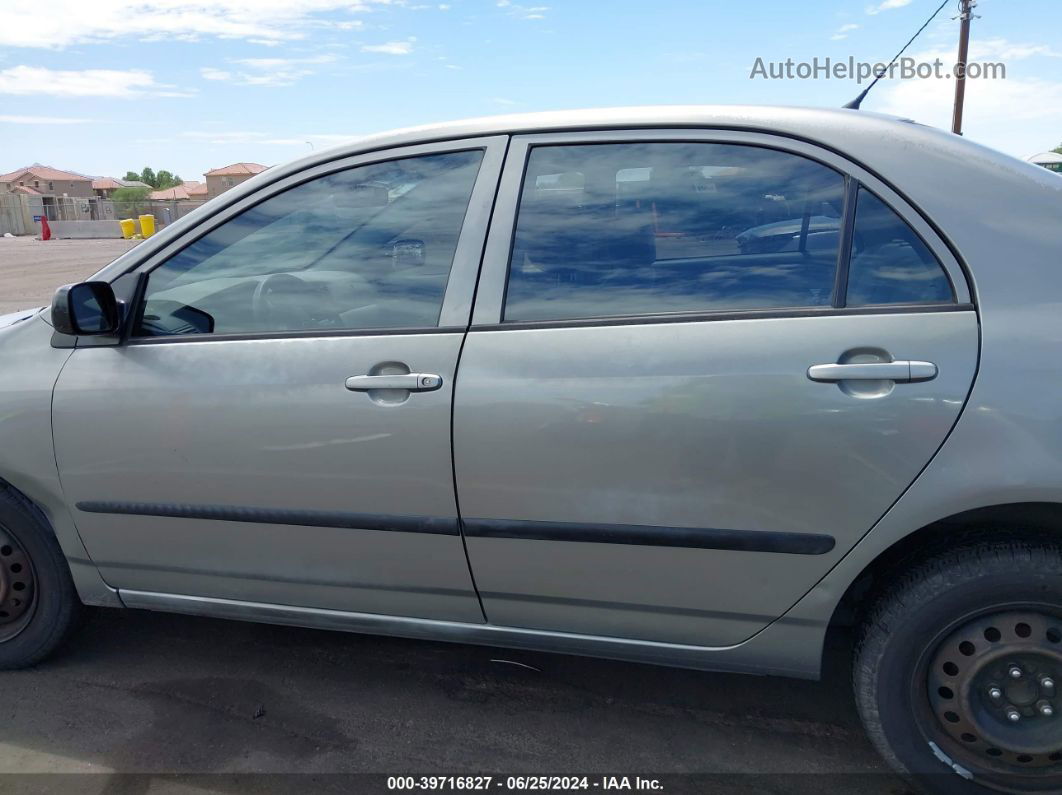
column 1045, row 709
column 1013, row 715
column 995, row 693
column 1047, row 683
column 1014, row 672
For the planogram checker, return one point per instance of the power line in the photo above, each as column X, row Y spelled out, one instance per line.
column 855, row 103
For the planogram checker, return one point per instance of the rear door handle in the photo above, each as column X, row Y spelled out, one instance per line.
column 413, row 382
column 902, row 372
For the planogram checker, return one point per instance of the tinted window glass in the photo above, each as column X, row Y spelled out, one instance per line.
column 369, row 247
column 630, row 229
column 890, row 263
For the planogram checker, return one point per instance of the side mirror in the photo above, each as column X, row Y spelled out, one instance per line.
column 88, row 308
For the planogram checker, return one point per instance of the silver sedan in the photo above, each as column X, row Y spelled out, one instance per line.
column 687, row 386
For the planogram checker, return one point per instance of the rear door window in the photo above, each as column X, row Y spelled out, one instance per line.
column 649, row 228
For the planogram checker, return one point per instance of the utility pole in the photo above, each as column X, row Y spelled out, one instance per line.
column 966, row 8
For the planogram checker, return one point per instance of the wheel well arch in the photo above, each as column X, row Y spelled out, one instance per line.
column 28, row 503
column 1026, row 520
column 91, row 588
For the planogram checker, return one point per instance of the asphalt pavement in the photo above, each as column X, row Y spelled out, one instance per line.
column 179, row 703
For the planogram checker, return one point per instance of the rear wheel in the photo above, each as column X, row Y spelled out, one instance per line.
column 38, row 604
column 958, row 674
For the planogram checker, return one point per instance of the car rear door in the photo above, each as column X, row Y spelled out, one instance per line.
column 276, row 428
column 702, row 365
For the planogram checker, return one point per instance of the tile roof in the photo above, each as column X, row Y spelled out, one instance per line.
column 236, row 169
column 186, row 190
column 26, row 189
column 112, row 183
column 45, row 173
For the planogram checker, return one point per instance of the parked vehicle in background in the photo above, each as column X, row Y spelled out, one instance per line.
column 687, row 386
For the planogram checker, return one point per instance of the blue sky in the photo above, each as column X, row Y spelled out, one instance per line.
column 104, row 86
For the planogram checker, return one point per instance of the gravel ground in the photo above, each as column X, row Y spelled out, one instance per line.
column 31, row 269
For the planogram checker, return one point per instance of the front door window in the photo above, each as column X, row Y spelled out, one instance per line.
column 365, row 248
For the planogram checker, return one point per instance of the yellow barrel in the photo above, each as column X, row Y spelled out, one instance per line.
column 128, row 227
column 147, row 225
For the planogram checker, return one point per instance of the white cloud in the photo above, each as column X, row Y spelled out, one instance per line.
column 391, row 47
column 843, row 31
column 1018, row 115
column 887, row 5
column 282, row 63
column 41, row 120
column 266, row 71
column 995, row 49
column 66, row 22
column 523, row 12
column 1006, row 50
column 210, row 73
column 125, row 84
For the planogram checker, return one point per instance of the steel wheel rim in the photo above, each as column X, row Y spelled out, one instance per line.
column 18, row 587
column 1010, row 738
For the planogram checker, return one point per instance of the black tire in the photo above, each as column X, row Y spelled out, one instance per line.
column 964, row 594
column 53, row 610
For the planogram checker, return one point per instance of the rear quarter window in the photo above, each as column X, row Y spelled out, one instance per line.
column 890, row 263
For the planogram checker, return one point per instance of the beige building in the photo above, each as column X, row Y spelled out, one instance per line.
column 38, row 180
column 221, row 179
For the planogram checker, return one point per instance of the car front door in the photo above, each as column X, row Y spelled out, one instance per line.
column 702, row 365
column 276, row 426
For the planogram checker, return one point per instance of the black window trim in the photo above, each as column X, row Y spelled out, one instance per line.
column 725, row 315
column 394, row 331
column 844, row 244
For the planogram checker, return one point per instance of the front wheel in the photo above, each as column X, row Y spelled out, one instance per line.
column 958, row 673
column 38, row 604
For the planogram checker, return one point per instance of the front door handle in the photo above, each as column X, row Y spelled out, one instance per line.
column 413, row 382
column 901, row 372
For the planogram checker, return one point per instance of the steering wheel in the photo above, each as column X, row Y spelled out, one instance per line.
column 283, row 302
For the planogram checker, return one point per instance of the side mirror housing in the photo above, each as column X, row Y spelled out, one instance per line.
column 88, row 308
